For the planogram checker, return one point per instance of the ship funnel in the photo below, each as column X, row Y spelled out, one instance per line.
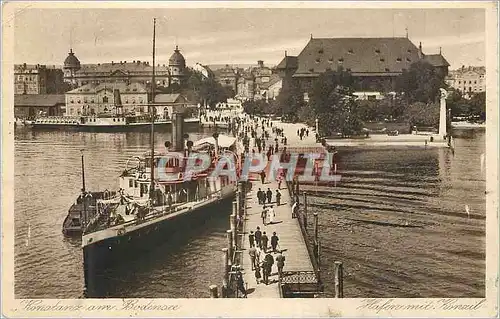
column 178, row 131
column 118, row 102
column 118, row 99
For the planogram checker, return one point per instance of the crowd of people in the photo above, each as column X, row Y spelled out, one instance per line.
column 261, row 257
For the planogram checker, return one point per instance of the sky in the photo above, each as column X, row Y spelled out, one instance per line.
column 236, row 35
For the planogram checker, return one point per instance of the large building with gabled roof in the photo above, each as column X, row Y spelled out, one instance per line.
column 375, row 62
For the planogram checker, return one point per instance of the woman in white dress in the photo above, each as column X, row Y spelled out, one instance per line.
column 271, row 213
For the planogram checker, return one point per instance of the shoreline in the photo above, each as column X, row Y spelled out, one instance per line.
column 404, row 140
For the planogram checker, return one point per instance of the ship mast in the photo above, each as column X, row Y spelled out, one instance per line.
column 152, row 113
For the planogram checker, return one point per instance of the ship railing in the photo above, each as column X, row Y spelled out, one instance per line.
column 153, row 213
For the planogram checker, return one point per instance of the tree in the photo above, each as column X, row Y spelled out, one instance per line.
column 422, row 114
column 204, row 89
column 421, row 83
column 478, row 106
column 333, row 104
column 290, row 100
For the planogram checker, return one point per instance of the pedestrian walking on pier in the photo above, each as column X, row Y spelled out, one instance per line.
column 272, row 215
column 260, row 194
column 280, row 262
column 253, row 253
column 278, row 197
column 274, row 241
column 262, row 176
column 258, row 237
column 280, row 179
column 257, row 275
column 295, row 209
column 268, row 266
column 251, row 239
column 265, row 241
column 269, row 195
column 241, row 283
column 263, row 215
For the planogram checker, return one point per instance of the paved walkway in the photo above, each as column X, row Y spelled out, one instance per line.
column 290, row 240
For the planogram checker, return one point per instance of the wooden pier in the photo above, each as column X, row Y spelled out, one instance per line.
column 298, row 265
column 301, row 275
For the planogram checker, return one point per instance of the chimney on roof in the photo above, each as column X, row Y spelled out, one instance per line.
column 260, row 63
column 285, row 52
column 133, row 61
column 112, row 62
column 311, row 36
column 420, row 53
column 439, row 50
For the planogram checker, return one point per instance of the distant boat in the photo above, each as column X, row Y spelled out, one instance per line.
column 467, row 125
column 102, row 123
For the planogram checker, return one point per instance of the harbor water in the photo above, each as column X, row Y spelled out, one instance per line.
column 407, row 223
column 397, row 220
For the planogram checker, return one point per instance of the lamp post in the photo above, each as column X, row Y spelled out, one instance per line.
column 216, row 144
column 317, row 127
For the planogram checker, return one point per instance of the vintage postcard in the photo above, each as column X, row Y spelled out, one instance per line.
column 249, row 159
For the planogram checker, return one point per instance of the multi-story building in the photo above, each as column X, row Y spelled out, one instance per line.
column 246, row 86
column 374, row 62
column 115, row 98
column 254, row 82
column 203, row 70
column 273, row 87
column 33, row 105
column 227, row 77
column 79, row 74
column 37, row 79
column 468, row 80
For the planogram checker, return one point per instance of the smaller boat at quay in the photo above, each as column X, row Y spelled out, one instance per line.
column 85, row 205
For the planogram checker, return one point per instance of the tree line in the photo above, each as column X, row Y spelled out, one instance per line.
column 332, row 102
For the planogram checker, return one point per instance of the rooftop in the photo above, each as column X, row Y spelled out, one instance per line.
column 436, row 60
column 169, row 98
column 359, row 55
column 121, row 66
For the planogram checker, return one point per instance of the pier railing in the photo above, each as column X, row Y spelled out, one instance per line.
column 312, row 247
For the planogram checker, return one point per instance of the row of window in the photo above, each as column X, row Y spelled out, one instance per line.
column 470, row 89
column 465, row 82
column 351, row 51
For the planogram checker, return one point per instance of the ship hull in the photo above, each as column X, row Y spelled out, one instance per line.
column 107, row 258
column 108, row 128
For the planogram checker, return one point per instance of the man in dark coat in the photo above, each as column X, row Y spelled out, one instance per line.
column 274, row 241
column 258, row 237
column 268, row 266
column 278, row 198
column 263, row 215
column 259, row 196
column 262, row 177
column 251, row 239
column 269, row 195
column 265, row 241
column 280, row 262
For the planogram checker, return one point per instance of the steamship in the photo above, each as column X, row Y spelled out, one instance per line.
column 115, row 121
column 146, row 210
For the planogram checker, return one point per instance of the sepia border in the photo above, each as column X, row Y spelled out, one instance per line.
column 418, row 307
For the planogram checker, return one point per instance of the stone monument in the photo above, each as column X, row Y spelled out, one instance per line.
column 442, row 114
